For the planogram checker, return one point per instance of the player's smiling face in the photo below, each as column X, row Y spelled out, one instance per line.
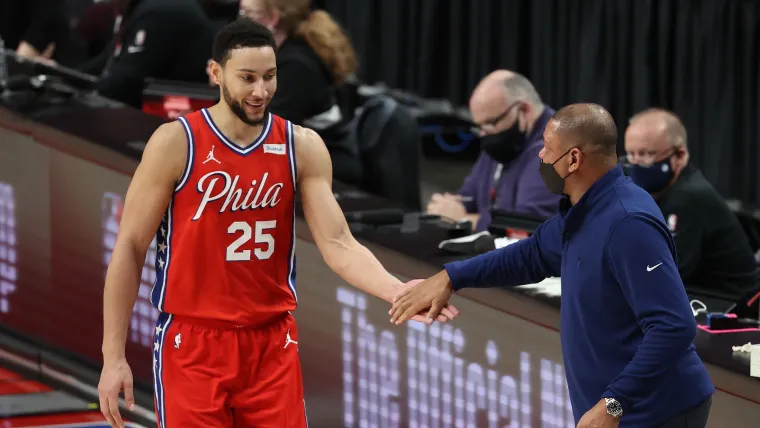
column 249, row 83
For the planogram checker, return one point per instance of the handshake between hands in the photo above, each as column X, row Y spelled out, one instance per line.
column 424, row 301
column 427, row 301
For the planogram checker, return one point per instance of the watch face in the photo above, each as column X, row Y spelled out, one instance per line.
column 614, row 408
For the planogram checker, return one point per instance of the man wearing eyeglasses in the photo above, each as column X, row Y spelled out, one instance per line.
column 510, row 118
column 714, row 254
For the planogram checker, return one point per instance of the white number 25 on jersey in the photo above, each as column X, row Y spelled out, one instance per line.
column 235, row 254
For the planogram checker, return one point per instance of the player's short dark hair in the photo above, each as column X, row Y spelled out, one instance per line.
column 589, row 127
column 241, row 33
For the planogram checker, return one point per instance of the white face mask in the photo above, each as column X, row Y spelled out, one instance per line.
column 697, row 311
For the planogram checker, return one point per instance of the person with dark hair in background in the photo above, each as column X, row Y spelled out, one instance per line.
column 217, row 190
column 714, row 254
column 162, row 39
column 511, row 118
column 314, row 57
column 627, row 329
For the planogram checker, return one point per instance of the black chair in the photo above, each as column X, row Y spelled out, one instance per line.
column 389, row 145
column 750, row 222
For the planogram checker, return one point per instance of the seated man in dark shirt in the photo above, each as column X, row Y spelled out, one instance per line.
column 161, row 39
column 714, row 255
column 511, row 117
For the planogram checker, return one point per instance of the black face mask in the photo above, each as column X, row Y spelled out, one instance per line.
column 505, row 146
column 553, row 181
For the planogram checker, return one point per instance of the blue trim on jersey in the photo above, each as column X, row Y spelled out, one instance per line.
column 162, row 325
column 234, row 147
column 163, row 257
column 292, row 158
column 190, row 154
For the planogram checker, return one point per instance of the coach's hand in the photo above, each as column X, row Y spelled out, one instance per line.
column 598, row 417
column 448, row 313
column 115, row 377
column 433, row 293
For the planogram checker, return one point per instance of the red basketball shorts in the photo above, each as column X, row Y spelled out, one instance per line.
column 209, row 375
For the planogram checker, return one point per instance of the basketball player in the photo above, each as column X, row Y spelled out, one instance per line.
column 219, row 186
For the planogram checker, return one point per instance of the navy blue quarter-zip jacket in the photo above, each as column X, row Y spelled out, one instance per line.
column 626, row 324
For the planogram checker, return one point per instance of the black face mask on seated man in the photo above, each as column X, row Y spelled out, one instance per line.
column 505, row 146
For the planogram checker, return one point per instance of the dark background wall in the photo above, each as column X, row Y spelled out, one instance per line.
column 700, row 58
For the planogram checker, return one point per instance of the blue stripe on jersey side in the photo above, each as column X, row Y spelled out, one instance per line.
column 234, row 147
column 292, row 159
column 190, row 154
column 162, row 325
column 161, row 248
column 163, row 257
column 163, row 234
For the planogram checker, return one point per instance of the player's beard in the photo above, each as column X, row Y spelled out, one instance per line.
column 238, row 109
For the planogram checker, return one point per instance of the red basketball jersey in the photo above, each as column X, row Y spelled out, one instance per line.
column 226, row 248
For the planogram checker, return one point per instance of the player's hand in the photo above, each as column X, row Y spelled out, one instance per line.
column 432, row 293
column 448, row 313
column 597, row 417
column 115, row 377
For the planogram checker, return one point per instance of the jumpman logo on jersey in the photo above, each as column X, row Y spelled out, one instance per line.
column 211, row 157
column 288, row 340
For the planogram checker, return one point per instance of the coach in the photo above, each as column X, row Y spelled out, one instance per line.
column 627, row 327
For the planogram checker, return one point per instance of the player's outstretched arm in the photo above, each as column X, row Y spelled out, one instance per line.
column 148, row 197
column 528, row 261
column 340, row 250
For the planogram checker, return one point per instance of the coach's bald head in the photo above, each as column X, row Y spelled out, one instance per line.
column 580, row 143
column 589, row 127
